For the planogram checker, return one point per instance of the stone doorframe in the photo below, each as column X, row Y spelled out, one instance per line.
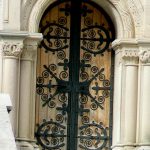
column 131, row 103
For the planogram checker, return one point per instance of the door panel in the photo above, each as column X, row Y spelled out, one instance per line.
column 52, row 71
column 74, row 78
column 95, row 69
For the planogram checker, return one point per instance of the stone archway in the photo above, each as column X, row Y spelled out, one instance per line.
column 117, row 10
column 79, row 82
column 124, row 29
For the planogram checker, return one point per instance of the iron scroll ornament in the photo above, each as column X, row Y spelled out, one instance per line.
column 93, row 136
column 63, row 87
column 50, row 135
column 55, row 34
column 91, row 43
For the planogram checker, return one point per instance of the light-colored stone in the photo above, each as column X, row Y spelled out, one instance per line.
column 7, row 141
column 27, row 92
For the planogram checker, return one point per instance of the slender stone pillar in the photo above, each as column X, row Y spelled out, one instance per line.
column 143, row 139
column 12, row 51
column 27, row 93
column 125, row 94
column 117, row 100
column 130, row 95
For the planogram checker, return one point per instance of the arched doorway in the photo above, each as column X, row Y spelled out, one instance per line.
column 74, row 77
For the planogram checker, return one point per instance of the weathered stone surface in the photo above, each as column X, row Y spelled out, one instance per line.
column 7, row 141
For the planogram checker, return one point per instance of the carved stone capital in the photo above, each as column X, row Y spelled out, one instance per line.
column 130, row 57
column 31, row 45
column 29, row 52
column 144, row 56
column 130, row 54
column 12, row 49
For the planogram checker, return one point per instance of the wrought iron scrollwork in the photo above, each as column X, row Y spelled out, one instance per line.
column 85, row 90
column 96, row 38
column 55, row 36
column 93, row 136
column 51, row 134
column 63, row 86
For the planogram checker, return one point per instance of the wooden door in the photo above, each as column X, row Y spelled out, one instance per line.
column 74, row 78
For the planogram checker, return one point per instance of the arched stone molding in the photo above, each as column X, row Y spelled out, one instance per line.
column 26, row 8
column 137, row 10
column 117, row 9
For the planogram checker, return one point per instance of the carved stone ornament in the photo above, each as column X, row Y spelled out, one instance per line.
column 130, row 54
column 29, row 52
column 144, row 56
column 12, row 49
column 129, row 57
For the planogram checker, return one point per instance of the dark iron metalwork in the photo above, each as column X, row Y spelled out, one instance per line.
column 50, row 135
column 93, row 135
column 73, row 93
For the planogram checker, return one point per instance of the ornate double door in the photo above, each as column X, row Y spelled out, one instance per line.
column 74, row 78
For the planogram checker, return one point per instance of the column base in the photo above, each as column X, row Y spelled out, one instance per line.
column 129, row 148
column 26, row 145
column 117, row 147
column 143, row 148
column 124, row 147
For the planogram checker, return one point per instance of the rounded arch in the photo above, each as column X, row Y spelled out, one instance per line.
column 118, row 12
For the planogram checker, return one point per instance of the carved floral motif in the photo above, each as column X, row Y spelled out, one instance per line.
column 144, row 56
column 12, row 49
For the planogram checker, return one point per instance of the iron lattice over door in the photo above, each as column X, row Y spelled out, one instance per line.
column 74, row 78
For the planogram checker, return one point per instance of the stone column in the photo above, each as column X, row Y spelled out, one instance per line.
column 11, row 49
column 130, row 96
column 143, row 138
column 27, row 93
column 117, row 101
column 125, row 94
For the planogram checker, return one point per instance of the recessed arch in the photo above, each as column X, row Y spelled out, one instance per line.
column 120, row 16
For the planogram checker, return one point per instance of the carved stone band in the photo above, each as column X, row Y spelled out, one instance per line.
column 12, row 49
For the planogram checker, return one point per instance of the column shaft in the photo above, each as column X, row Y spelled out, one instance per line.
column 25, row 100
column 130, row 102
column 10, row 86
column 25, row 138
column 145, row 106
column 117, row 103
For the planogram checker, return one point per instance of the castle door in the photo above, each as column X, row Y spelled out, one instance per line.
column 74, row 78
